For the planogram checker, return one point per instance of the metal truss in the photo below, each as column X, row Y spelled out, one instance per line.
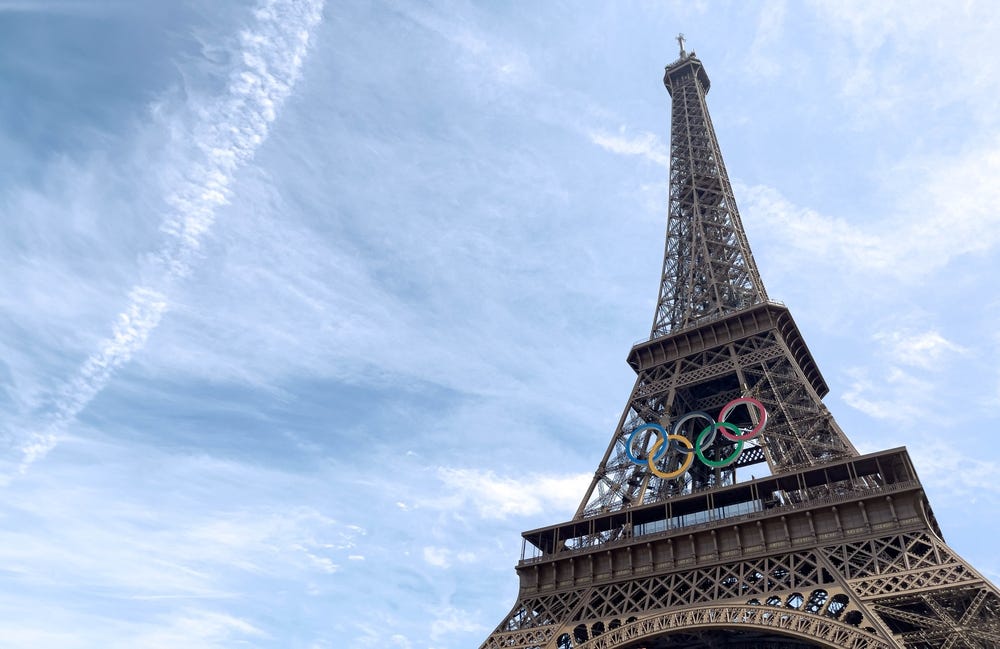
column 800, row 432
column 708, row 269
column 760, row 627
column 831, row 549
column 904, row 590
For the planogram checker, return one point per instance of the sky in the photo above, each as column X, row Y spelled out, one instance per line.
column 308, row 310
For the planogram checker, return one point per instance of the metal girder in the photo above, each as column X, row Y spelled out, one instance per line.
column 800, row 431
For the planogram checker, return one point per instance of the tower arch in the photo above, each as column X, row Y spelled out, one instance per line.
column 736, row 627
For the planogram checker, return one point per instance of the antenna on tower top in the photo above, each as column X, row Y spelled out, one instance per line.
column 680, row 41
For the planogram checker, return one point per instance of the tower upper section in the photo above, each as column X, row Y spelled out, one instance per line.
column 719, row 352
column 708, row 269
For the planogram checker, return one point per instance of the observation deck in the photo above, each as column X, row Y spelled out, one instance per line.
column 685, row 65
column 850, row 497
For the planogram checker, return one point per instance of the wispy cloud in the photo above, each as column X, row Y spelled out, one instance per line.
column 898, row 61
column 444, row 557
column 498, row 497
column 227, row 132
column 206, row 628
column 892, row 395
column 451, row 621
column 890, row 392
column 956, row 471
column 928, row 226
column 187, row 570
column 770, row 25
column 481, row 50
column 646, row 145
column 924, row 349
column 129, row 552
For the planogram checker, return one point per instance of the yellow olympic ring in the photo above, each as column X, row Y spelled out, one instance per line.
column 684, row 441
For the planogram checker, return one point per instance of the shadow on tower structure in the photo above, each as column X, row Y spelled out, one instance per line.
column 667, row 549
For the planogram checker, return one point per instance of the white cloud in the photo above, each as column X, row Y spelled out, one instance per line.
column 102, row 536
column 378, row 636
column 894, row 60
column 894, row 395
column 444, row 557
column 227, row 131
column 890, row 393
column 452, row 621
column 499, row 497
column 646, row 145
column 929, row 225
column 199, row 628
column 926, row 350
column 813, row 235
column 480, row 50
column 436, row 557
column 321, row 563
column 955, row 470
column 401, row 641
column 770, row 27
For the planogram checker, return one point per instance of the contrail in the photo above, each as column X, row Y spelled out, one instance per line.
column 227, row 133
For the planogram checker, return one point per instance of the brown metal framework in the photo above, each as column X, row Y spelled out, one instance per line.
column 708, row 269
column 832, row 550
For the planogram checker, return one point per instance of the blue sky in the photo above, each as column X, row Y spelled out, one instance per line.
column 307, row 311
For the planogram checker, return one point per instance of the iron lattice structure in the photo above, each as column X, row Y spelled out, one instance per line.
column 708, row 269
column 833, row 549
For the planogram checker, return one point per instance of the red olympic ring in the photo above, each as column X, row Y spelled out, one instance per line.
column 761, row 422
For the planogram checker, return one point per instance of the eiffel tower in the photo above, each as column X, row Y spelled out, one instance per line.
column 668, row 549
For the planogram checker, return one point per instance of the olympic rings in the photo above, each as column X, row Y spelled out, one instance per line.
column 676, row 443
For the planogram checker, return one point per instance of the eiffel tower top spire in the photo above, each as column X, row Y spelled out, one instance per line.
column 708, row 269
